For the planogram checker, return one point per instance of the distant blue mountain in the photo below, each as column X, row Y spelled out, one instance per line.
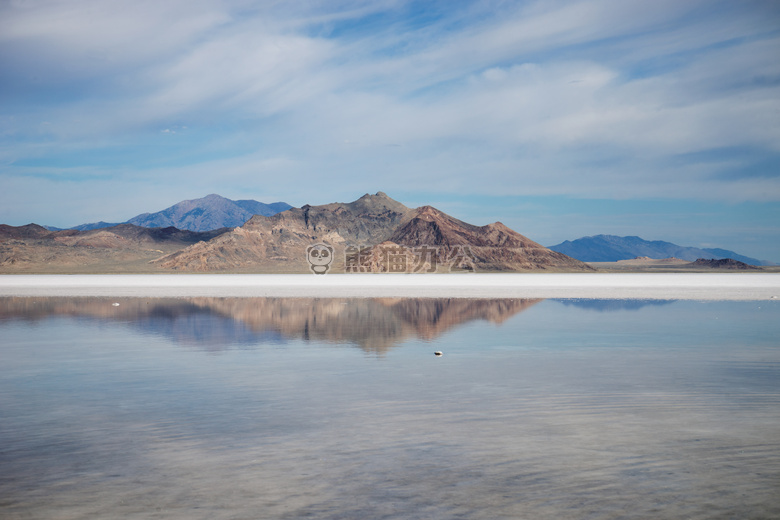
column 261, row 208
column 95, row 225
column 205, row 214
column 610, row 248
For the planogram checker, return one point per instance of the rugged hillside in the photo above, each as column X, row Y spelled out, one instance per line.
column 204, row 214
column 610, row 248
column 454, row 245
column 355, row 229
column 122, row 248
column 372, row 234
column 724, row 263
column 132, row 236
column 280, row 241
column 22, row 232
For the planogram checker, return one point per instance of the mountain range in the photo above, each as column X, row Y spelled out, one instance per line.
column 369, row 226
column 204, row 214
column 120, row 248
column 372, row 234
column 610, row 248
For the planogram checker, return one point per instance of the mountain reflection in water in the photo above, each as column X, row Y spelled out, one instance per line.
column 668, row 412
column 602, row 305
column 214, row 324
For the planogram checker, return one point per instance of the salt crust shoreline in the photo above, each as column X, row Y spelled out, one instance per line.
column 667, row 286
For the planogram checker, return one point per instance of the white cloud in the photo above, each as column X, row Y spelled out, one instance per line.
column 590, row 98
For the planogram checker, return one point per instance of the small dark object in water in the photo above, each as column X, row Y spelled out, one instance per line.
column 437, row 353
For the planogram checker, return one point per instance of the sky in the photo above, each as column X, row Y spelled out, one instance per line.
column 561, row 119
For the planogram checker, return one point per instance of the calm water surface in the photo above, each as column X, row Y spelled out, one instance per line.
column 338, row 409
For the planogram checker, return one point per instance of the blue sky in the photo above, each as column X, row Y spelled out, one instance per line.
column 558, row 118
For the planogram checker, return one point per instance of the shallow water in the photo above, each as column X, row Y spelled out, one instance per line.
column 338, row 409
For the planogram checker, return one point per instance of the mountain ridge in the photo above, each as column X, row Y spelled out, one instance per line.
column 282, row 238
column 204, row 214
column 461, row 246
column 122, row 248
column 612, row 248
column 367, row 225
column 374, row 226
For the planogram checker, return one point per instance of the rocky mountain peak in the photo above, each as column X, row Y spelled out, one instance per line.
column 376, row 221
column 27, row 231
column 428, row 213
column 375, row 205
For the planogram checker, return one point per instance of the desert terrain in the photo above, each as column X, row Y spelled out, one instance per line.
column 374, row 234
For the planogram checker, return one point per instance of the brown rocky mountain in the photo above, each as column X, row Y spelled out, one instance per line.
column 130, row 235
column 723, row 263
column 122, row 248
column 21, row 232
column 372, row 234
column 462, row 246
column 278, row 242
column 363, row 233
